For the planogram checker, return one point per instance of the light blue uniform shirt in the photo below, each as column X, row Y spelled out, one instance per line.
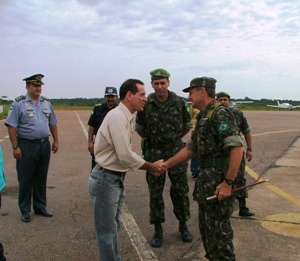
column 31, row 121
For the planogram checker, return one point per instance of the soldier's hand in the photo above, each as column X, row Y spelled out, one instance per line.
column 159, row 168
column 223, row 190
column 55, row 147
column 91, row 147
column 17, row 153
column 249, row 155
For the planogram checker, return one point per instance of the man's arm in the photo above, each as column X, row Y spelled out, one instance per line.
column 91, row 139
column 54, row 132
column 182, row 156
column 249, row 146
column 12, row 132
column 224, row 190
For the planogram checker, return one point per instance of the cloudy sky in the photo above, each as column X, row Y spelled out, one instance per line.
column 251, row 47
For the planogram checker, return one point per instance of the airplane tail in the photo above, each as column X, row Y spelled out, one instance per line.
column 278, row 103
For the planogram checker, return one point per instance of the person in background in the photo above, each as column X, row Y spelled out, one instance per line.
column 30, row 121
column 98, row 114
column 241, row 121
column 219, row 147
column 2, row 185
column 114, row 158
column 162, row 125
column 194, row 160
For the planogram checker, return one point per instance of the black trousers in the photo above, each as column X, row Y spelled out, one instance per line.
column 32, row 172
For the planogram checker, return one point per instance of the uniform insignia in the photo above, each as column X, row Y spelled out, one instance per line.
column 224, row 126
column 30, row 114
column 22, row 97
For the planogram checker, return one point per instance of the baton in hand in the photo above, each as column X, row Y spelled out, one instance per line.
column 241, row 188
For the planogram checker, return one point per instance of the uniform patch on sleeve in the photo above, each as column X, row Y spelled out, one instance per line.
column 224, row 126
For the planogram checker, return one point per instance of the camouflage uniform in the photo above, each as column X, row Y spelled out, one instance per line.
column 212, row 140
column 243, row 126
column 164, row 125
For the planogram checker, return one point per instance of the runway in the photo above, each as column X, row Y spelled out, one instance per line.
column 273, row 233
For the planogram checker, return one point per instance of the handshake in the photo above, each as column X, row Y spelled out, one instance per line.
column 159, row 168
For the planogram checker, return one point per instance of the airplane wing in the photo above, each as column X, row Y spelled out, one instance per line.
column 298, row 106
column 274, row 106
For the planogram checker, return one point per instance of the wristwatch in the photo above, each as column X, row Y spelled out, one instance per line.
column 229, row 181
column 15, row 146
column 250, row 149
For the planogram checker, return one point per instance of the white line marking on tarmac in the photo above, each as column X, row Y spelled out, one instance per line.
column 82, row 126
column 137, row 238
column 272, row 132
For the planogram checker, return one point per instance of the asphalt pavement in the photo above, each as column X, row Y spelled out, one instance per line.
column 272, row 234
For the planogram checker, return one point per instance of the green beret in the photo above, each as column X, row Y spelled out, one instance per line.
column 34, row 79
column 159, row 74
column 222, row 94
column 206, row 82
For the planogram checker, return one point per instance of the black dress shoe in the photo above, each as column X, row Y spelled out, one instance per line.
column 25, row 217
column 186, row 235
column 245, row 212
column 43, row 212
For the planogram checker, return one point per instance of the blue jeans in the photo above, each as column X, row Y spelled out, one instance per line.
column 194, row 166
column 108, row 194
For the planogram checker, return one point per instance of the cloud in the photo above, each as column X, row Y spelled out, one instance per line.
column 238, row 42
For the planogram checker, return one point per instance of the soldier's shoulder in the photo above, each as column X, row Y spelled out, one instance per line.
column 20, row 98
column 45, row 98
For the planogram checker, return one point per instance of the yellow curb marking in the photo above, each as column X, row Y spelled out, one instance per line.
column 287, row 224
column 274, row 188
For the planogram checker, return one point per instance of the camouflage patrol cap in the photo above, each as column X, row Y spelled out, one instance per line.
column 222, row 94
column 206, row 82
column 34, row 79
column 159, row 74
column 110, row 90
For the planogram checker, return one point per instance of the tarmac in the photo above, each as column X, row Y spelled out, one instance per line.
column 273, row 234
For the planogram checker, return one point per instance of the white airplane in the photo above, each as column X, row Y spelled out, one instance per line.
column 284, row 105
column 238, row 103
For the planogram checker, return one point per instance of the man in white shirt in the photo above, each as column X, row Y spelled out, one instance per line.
column 114, row 157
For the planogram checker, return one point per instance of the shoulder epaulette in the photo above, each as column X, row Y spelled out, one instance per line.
column 22, row 97
column 99, row 104
column 45, row 98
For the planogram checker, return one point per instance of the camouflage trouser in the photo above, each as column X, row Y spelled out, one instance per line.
column 215, row 229
column 178, row 191
column 240, row 181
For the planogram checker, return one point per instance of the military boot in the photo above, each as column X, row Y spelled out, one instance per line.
column 157, row 238
column 185, row 233
column 244, row 211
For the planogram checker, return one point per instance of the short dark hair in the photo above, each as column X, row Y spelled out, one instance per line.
column 210, row 91
column 129, row 85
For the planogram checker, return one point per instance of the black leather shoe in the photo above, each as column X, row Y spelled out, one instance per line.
column 157, row 240
column 25, row 217
column 43, row 212
column 186, row 235
column 245, row 212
